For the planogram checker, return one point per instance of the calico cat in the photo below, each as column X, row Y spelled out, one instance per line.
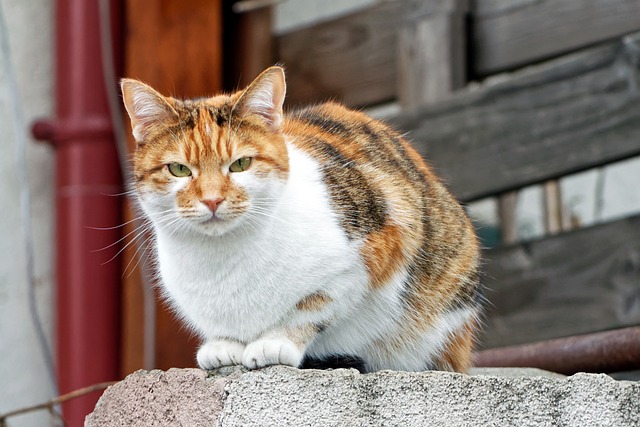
column 307, row 236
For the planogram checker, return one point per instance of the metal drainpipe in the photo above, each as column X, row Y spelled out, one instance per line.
column 87, row 171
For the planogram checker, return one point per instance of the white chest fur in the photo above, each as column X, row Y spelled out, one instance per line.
column 242, row 284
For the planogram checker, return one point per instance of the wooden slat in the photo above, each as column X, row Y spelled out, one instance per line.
column 175, row 46
column 351, row 59
column 511, row 33
column 431, row 56
column 507, row 204
column 132, row 315
column 560, row 117
column 578, row 282
column 248, row 46
column 555, row 218
column 354, row 59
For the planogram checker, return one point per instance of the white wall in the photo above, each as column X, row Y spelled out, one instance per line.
column 24, row 377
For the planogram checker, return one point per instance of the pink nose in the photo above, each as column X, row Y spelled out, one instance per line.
column 212, row 204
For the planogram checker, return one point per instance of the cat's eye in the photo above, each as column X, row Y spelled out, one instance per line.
column 240, row 165
column 179, row 170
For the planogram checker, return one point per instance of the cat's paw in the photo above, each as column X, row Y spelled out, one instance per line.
column 215, row 354
column 267, row 352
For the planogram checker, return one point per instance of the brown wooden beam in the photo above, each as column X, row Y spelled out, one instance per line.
column 354, row 59
column 513, row 33
column 432, row 57
column 248, row 47
column 574, row 283
column 176, row 47
column 550, row 120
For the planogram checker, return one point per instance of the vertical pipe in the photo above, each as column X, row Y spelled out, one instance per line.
column 87, row 172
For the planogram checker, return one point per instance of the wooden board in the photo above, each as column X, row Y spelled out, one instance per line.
column 248, row 44
column 508, row 34
column 432, row 52
column 365, row 57
column 355, row 59
column 175, row 45
column 583, row 281
column 553, row 119
column 351, row 59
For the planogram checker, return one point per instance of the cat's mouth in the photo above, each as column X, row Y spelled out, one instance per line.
column 213, row 219
column 214, row 225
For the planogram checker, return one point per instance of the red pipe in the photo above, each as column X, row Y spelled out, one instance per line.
column 610, row 351
column 87, row 172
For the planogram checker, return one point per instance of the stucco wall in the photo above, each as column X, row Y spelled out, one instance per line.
column 24, row 375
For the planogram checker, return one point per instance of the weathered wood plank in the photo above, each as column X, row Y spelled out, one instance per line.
column 355, row 58
column 164, row 47
column 567, row 115
column 248, row 50
column 582, row 281
column 507, row 204
column 555, row 216
column 432, row 57
column 351, row 59
column 512, row 33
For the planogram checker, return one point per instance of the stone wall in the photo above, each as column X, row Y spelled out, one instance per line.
column 284, row 396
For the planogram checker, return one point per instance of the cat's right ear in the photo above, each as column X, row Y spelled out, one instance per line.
column 146, row 108
column 264, row 97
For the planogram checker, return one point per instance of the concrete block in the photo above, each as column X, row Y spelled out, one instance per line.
column 284, row 396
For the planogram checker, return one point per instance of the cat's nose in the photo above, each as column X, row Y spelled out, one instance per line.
column 212, row 204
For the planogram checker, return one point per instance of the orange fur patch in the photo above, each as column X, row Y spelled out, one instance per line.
column 301, row 336
column 382, row 253
column 314, row 302
column 458, row 353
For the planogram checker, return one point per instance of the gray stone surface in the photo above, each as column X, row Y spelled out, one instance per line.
column 284, row 396
column 178, row 397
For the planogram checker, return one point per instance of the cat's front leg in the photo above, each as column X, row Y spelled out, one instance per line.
column 216, row 353
column 280, row 347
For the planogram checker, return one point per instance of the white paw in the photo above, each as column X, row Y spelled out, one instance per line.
column 215, row 354
column 271, row 352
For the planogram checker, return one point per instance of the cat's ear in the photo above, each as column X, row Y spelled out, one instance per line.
column 146, row 108
column 264, row 97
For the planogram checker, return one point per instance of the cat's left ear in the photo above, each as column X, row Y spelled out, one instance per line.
column 264, row 97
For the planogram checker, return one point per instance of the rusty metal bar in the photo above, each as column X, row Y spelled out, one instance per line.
column 605, row 352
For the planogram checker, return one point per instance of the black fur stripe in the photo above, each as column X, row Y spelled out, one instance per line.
column 334, row 361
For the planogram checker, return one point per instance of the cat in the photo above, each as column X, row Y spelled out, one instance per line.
column 310, row 236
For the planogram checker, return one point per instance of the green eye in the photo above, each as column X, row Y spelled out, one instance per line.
column 179, row 170
column 240, row 165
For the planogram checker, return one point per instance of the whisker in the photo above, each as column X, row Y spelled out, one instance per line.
column 135, row 256
column 115, row 226
column 137, row 237
column 141, row 230
column 125, row 247
column 138, row 218
column 122, row 238
column 124, row 193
